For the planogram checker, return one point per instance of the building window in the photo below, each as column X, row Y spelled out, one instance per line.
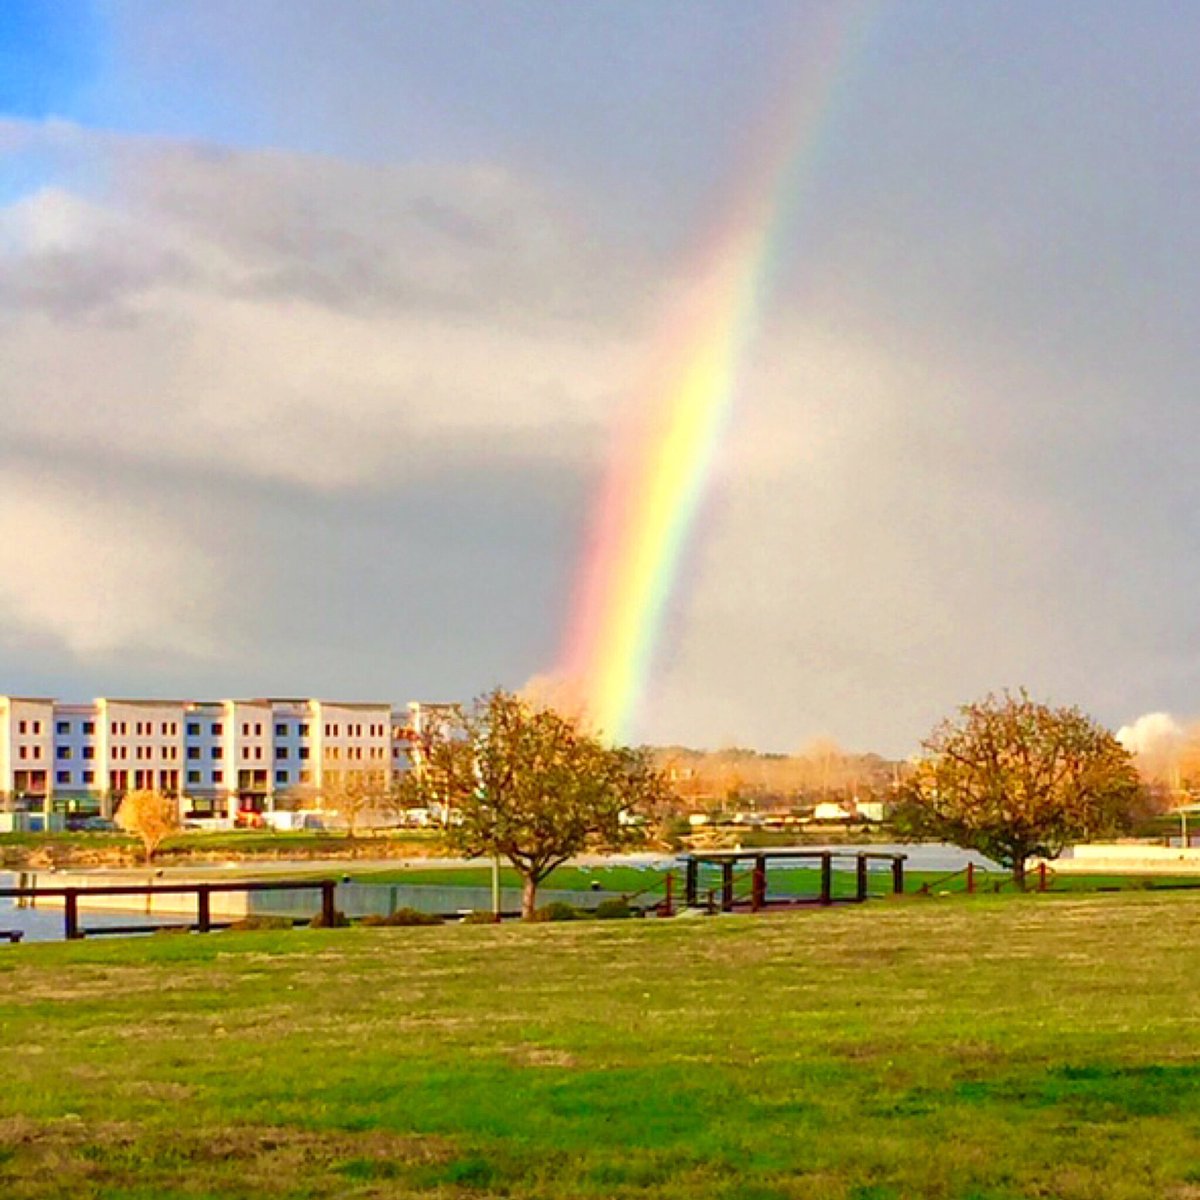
column 245, row 729
column 281, row 752
column 281, row 731
column 37, row 727
column 23, row 752
column 258, row 729
column 304, row 731
column 218, row 729
column 89, row 777
column 258, row 752
column 304, row 752
column 22, row 726
column 193, row 777
column 193, row 752
column 64, row 752
column 218, row 776
column 217, row 752
column 37, row 752
column 281, row 777
column 306, row 777
column 63, row 727
column 193, row 729
column 63, row 777
column 89, row 752
column 89, row 728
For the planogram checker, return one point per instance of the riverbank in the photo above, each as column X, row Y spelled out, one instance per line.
column 38, row 851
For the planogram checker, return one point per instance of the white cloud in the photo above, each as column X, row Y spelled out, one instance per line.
column 1151, row 734
column 99, row 577
column 284, row 317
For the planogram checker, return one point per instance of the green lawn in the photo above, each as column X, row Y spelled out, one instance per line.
column 990, row 1050
column 798, row 881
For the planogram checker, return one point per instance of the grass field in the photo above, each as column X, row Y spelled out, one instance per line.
column 983, row 1050
column 801, row 881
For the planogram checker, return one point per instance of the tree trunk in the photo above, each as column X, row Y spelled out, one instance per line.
column 1018, row 870
column 529, row 898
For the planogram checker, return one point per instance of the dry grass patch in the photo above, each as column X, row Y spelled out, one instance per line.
column 85, row 1158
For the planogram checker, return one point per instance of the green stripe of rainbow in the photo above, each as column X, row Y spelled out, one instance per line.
column 663, row 458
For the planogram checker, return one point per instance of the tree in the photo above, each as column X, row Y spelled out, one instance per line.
column 524, row 783
column 1013, row 778
column 352, row 794
column 151, row 816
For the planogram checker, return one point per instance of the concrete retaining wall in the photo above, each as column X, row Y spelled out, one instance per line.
column 1130, row 858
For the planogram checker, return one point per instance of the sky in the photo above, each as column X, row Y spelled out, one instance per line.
column 316, row 320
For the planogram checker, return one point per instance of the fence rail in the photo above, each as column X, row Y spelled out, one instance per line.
column 757, row 860
column 71, row 896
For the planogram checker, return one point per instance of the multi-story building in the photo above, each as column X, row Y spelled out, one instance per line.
column 219, row 757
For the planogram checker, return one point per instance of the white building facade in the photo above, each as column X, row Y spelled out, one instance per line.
column 219, row 757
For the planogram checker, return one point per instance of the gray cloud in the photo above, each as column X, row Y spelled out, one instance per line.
column 364, row 392
column 301, row 318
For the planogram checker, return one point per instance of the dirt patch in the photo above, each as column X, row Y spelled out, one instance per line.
column 541, row 1056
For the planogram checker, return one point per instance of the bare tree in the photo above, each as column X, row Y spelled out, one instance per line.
column 356, row 793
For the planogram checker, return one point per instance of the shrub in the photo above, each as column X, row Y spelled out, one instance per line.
column 559, row 910
column 339, row 921
column 615, row 909
column 260, row 922
column 404, row 916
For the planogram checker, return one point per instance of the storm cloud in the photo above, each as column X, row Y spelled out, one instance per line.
column 311, row 357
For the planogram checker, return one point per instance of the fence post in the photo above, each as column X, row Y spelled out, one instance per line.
column 71, row 915
column 1041, row 877
column 727, row 886
column 691, row 883
column 826, row 878
column 897, row 876
column 203, row 909
column 970, row 879
column 668, row 906
column 758, row 884
column 862, row 877
column 328, row 910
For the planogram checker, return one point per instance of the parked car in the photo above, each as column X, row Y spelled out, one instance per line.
column 82, row 824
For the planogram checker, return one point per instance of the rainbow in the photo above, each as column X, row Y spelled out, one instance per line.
column 664, row 453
